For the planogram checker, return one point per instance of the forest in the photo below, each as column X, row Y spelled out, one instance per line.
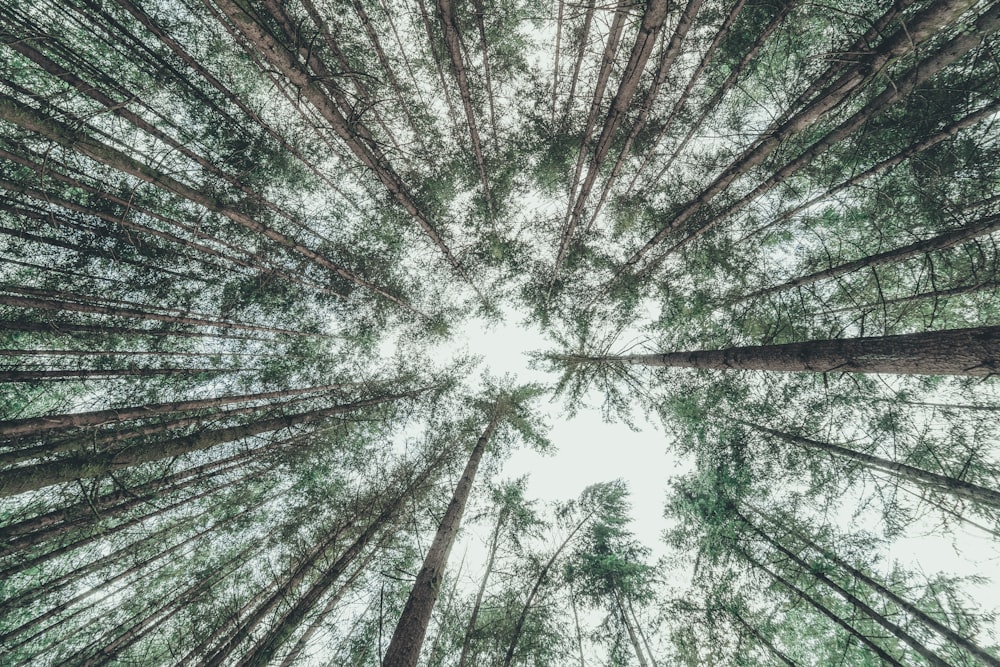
column 250, row 251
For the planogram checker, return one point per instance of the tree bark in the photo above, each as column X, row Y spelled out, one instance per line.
column 974, row 352
column 408, row 637
column 934, row 481
column 29, row 478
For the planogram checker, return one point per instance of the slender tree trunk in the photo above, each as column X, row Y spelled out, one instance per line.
column 354, row 135
column 610, row 50
column 25, row 117
column 982, row 227
column 930, row 656
column 762, row 639
column 649, row 31
column 519, row 623
column 632, row 637
column 330, row 605
column 38, row 425
column 453, row 42
column 28, row 478
column 642, row 634
column 662, row 71
column 921, row 27
column 923, row 478
column 888, row 593
column 974, row 352
column 470, row 627
column 816, row 604
column 588, row 20
column 408, row 637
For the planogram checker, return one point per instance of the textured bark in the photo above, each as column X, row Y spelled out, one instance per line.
column 974, row 351
column 29, row 478
column 649, row 31
column 662, row 71
column 453, row 42
column 922, row 478
column 716, row 97
column 607, row 60
column 38, row 425
column 408, row 637
column 353, row 134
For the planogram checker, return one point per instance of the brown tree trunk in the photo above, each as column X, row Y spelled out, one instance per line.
column 974, row 351
column 981, row 227
column 408, row 637
column 25, row 117
column 920, row 28
column 38, row 425
column 649, row 31
column 29, row 478
column 588, row 20
column 930, row 656
column 453, row 42
column 523, row 616
column 923, row 478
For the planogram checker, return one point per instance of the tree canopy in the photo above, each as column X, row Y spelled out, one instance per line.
column 243, row 244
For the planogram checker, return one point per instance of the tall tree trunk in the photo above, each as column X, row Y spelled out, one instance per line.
column 408, row 637
column 27, row 118
column 981, row 227
column 762, row 639
column 885, row 591
column 632, row 636
column 543, row 573
column 857, row 603
column 470, row 627
column 38, row 425
column 923, row 478
column 974, row 352
column 28, row 478
column 820, row 607
column 921, row 27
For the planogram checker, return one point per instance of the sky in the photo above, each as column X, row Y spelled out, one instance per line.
column 589, row 450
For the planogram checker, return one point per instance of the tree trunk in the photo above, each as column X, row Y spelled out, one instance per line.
column 974, row 352
column 519, row 624
column 982, row 227
column 888, row 593
column 930, row 656
column 632, row 637
column 920, row 28
column 816, row 604
column 470, row 627
column 923, row 478
column 25, row 117
column 29, row 478
column 762, row 639
column 408, row 637
column 38, row 425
